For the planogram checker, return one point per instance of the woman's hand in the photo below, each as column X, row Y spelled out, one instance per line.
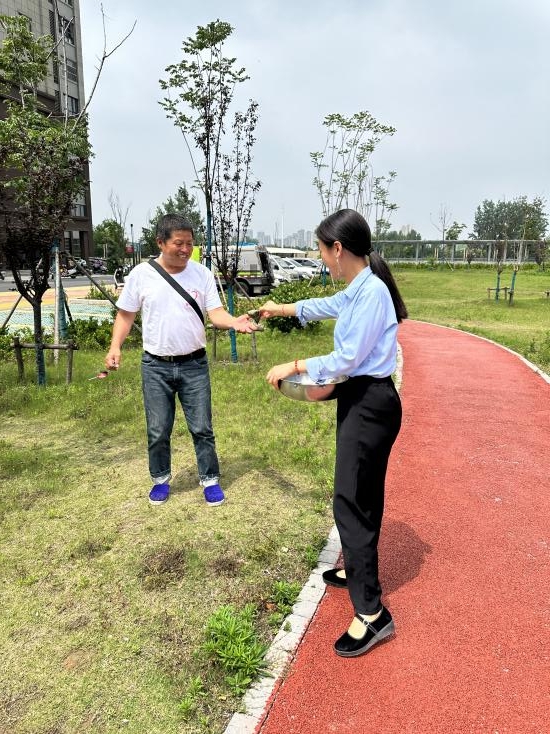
column 279, row 372
column 270, row 309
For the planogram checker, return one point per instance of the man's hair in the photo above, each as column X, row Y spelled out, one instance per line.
column 170, row 223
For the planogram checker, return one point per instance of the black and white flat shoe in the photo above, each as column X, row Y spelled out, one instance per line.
column 331, row 579
column 350, row 646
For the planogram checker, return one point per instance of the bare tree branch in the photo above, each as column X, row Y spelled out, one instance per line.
column 105, row 55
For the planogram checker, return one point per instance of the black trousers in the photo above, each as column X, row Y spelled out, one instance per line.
column 368, row 421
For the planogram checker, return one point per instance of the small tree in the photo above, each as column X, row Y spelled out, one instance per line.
column 43, row 157
column 344, row 173
column 233, row 200
column 442, row 225
column 455, row 230
column 204, row 83
column 110, row 241
column 541, row 252
column 382, row 206
column 118, row 246
column 181, row 203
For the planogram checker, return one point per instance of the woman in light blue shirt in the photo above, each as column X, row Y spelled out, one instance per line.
column 368, row 416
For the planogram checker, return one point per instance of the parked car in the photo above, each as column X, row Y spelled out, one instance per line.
column 313, row 267
column 283, row 272
column 305, row 270
column 302, row 272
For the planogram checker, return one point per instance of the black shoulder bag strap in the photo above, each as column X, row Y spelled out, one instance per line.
column 176, row 286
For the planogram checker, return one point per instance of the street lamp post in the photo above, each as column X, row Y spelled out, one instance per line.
column 132, row 238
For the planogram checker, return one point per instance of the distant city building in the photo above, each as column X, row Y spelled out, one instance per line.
column 59, row 94
column 263, row 238
column 300, row 240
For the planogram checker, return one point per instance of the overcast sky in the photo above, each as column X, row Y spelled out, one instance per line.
column 465, row 82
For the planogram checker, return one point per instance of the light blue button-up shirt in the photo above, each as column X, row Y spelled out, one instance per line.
column 365, row 334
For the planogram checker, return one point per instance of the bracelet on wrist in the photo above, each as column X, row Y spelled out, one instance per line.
column 296, row 367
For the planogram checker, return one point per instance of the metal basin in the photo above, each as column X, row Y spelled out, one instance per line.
column 302, row 387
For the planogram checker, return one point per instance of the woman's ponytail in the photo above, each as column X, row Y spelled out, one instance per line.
column 353, row 232
column 380, row 268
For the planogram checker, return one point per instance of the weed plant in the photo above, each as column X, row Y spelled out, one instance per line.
column 233, row 644
column 282, row 597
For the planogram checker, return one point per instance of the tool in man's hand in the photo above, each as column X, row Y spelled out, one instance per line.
column 100, row 375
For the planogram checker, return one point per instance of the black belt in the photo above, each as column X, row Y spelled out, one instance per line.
column 179, row 357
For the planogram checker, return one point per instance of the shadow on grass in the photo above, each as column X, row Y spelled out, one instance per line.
column 232, row 470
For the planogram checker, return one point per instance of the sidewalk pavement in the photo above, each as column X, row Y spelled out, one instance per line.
column 8, row 298
column 464, row 558
column 80, row 307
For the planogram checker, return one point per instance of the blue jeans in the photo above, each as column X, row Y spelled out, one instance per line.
column 190, row 381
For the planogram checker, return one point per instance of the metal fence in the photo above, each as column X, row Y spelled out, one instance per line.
column 467, row 251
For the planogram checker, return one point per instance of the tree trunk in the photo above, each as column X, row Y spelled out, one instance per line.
column 232, row 334
column 208, row 238
column 39, row 350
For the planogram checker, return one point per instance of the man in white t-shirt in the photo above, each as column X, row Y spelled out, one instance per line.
column 174, row 359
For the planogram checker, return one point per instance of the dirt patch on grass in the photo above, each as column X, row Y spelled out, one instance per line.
column 91, row 548
column 163, row 567
column 13, row 706
column 226, row 565
column 78, row 659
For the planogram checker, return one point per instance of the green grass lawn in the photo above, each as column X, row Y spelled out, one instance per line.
column 458, row 298
column 105, row 599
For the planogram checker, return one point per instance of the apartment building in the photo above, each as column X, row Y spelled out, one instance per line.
column 61, row 91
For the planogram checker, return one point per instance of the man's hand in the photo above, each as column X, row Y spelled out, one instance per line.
column 112, row 360
column 245, row 325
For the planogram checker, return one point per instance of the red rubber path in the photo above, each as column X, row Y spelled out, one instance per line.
column 464, row 559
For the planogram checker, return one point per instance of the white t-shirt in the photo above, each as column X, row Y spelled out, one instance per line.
column 170, row 324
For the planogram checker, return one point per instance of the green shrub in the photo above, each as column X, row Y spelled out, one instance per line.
column 300, row 291
column 90, row 334
column 96, row 295
column 93, row 334
column 25, row 334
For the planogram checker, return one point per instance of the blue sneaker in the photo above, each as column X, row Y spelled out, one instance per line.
column 159, row 494
column 214, row 495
